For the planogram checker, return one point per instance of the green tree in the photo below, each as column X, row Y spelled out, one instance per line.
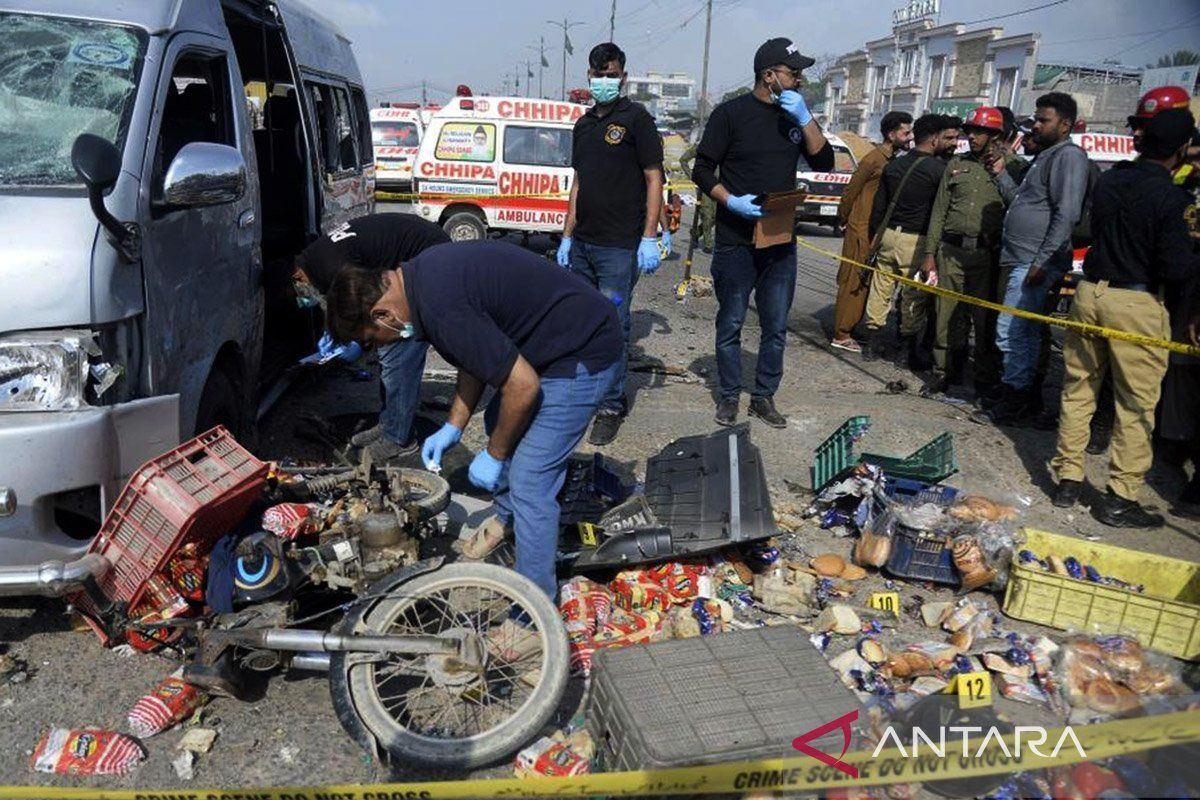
column 1180, row 58
column 732, row 93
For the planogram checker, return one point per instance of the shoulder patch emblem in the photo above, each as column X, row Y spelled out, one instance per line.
column 795, row 134
column 614, row 133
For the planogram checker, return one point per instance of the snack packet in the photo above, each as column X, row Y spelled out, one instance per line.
column 171, row 702
column 87, row 751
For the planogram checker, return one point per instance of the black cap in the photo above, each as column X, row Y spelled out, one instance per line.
column 1167, row 131
column 780, row 51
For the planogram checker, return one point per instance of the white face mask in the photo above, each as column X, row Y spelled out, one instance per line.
column 406, row 330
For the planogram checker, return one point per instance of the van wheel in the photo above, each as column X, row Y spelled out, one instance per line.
column 221, row 404
column 465, row 226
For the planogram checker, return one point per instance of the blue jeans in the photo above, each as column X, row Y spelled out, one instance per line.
column 614, row 271
column 539, row 466
column 400, row 368
column 770, row 273
column 1020, row 339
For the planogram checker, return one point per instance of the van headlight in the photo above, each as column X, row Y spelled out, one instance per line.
column 44, row 370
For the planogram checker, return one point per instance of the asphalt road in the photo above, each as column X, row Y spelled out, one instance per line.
column 289, row 734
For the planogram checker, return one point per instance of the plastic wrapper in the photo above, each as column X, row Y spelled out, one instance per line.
column 171, row 702
column 1114, row 675
column 186, row 570
column 87, row 751
column 850, row 501
column 874, row 545
column 550, row 758
column 1072, row 567
column 290, row 520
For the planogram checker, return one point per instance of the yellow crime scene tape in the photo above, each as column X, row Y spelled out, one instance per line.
column 994, row 756
column 1081, row 327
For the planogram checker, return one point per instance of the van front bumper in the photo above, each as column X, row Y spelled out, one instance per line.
column 44, row 454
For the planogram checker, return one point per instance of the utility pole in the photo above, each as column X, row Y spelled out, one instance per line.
column 702, row 105
column 528, row 78
column 540, row 49
column 517, row 79
column 424, row 93
column 566, row 26
column 612, row 21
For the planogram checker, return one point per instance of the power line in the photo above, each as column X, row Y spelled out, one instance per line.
column 1152, row 38
column 1016, row 13
column 1119, row 35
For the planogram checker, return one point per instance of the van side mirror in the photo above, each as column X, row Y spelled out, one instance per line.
column 97, row 162
column 205, row 174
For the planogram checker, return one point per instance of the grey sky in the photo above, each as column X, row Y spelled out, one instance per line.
column 480, row 43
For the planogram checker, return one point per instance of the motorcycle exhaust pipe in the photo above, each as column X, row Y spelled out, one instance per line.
column 52, row 578
column 321, row 641
column 314, row 662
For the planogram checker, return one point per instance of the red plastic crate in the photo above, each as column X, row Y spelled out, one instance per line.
column 197, row 492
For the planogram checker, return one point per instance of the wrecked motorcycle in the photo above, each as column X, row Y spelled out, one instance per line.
column 445, row 664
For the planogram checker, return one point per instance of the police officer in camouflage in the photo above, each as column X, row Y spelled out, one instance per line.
column 706, row 207
column 961, row 249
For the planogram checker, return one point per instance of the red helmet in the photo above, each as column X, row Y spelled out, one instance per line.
column 1158, row 100
column 986, row 117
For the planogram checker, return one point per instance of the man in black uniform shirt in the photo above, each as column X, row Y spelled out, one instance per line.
column 912, row 182
column 1141, row 252
column 755, row 140
column 611, row 232
column 379, row 242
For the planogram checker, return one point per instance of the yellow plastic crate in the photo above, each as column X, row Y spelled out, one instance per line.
column 1165, row 618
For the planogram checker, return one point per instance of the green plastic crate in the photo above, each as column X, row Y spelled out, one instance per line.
column 836, row 454
column 931, row 463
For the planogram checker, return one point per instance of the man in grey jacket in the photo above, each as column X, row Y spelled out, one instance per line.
column 1036, row 246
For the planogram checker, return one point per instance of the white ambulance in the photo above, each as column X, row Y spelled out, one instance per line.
column 825, row 188
column 496, row 164
column 396, row 136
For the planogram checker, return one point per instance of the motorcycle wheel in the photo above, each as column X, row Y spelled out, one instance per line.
column 441, row 711
column 429, row 493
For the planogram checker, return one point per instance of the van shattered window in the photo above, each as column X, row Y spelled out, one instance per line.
column 60, row 78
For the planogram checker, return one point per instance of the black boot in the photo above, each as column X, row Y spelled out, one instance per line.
column 1066, row 494
column 1015, row 406
column 917, row 358
column 873, row 349
column 1099, row 439
column 1118, row 512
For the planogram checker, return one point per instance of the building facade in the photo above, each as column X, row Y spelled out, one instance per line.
column 664, row 94
column 927, row 67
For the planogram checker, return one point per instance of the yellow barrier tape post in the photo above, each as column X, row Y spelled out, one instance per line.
column 995, row 755
column 1081, row 327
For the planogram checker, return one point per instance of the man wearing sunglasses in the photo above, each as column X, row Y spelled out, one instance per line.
column 756, row 140
column 378, row 242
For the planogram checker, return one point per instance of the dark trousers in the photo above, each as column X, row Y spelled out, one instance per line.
column 770, row 273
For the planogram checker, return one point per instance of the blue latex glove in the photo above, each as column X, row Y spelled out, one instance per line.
column 648, row 256
column 325, row 345
column 328, row 351
column 793, row 103
column 431, row 452
column 666, row 240
column 564, row 252
column 488, row 473
column 744, row 206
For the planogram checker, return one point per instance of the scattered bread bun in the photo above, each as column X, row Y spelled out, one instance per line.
column 853, row 572
column 977, row 508
column 830, row 565
column 1108, row 697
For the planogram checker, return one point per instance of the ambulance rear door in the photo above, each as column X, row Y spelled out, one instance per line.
column 535, row 177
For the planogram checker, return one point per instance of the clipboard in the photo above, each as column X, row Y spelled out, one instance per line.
column 778, row 225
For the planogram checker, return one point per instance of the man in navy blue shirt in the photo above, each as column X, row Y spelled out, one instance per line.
column 547, row 341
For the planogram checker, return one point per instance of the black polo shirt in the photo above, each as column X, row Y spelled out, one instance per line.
column 480, row 304
column 756, row 147
column 376, row 241
column 609, row 154
column 915, row 205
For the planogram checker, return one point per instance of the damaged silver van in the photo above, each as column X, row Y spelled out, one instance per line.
column 161, row 162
